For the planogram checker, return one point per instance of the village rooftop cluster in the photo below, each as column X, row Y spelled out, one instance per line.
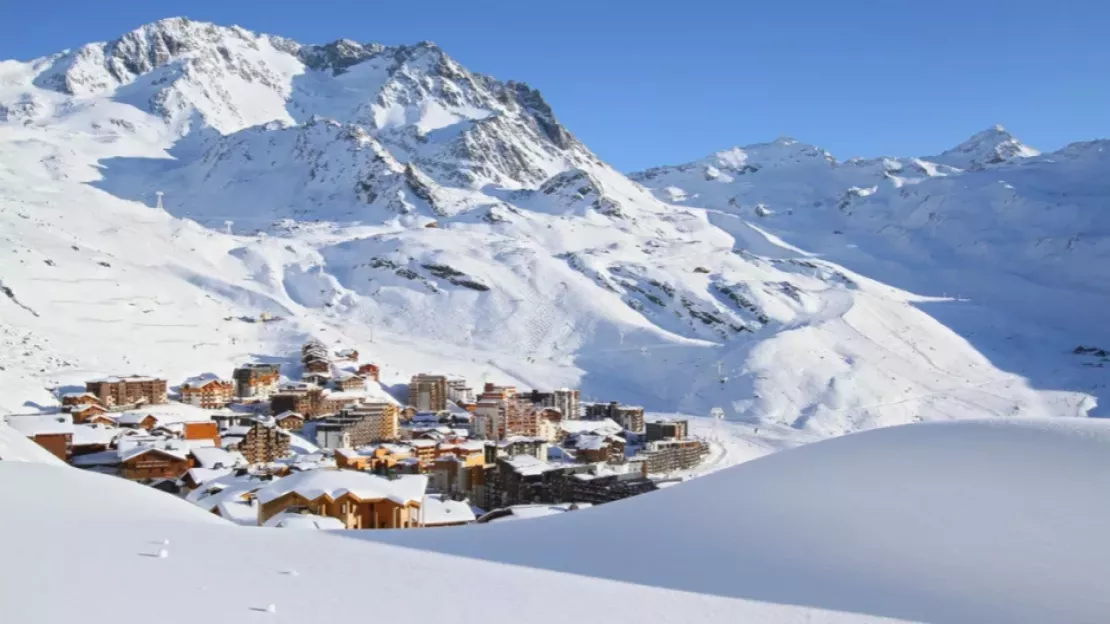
column 333, row 450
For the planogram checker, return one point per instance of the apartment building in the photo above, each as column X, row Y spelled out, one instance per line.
column 459, row 392
column 264, row 443
column 631, row 417
column 256, row 380
column 428, row 393
column 361, row 425
column 669, row 455
column 667, row 429
column 207, row 392
column 114, row 391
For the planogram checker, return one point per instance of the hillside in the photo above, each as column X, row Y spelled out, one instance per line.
column 436, row 219
column 939, row 522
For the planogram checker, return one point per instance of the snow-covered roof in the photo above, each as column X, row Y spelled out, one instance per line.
column 78, row 395
column 436, row 511
column 241, row 512
column 32, row 425
column 85, row 435
column 527, row 465
column 132, row 378
column 603, row 426
column 201, row 476
column 289, row 414
column 422, row 443
column 166, row 449
column 287, row 520
column 166, row 414
column 85, row 407
column 212, row 457
column 526, row 512
column 591, row 442
column 102, row 458
column 199, row 381
column 349, row 396
column 313, row 484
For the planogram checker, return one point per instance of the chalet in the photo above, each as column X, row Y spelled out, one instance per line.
column 153, row 462
column 317, row 365
column 207, row 391
column 202, row 431
column 137, row 420
column 289, row 420
column 231, row 497
column 358, row 499
column 213, row 458
column 351, row 383
column 90, row 413
column 436, row 512
column 369, row 371
column 132, row 390
column 53, row 432
column 79, row 398
column 380, row 459
column 92, row 438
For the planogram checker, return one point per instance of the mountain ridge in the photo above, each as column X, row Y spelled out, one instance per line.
column 322, row 196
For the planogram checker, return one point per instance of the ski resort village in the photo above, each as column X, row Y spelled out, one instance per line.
column 332, row 449
column 299, row 333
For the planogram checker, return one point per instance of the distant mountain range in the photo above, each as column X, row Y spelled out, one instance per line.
column 441, row 220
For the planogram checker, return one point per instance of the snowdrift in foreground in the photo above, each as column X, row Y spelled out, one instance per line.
column 972, row 521
column 953, row 522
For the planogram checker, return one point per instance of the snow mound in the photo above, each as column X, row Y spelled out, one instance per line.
column 982, row 521
column 96, row 526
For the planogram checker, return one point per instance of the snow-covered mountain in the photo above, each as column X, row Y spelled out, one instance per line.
column 441, row 220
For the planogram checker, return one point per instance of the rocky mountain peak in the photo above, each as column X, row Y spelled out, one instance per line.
column 338, row 55
column 992, row 146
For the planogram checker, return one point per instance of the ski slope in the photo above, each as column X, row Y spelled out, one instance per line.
column 938, row 522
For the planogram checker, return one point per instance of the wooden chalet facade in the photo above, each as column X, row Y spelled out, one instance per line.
column 153, row 463
column 89, row 413
column 208, row 394
column 351, row 382
column 369, row 371
column 128, row 390
column 264, row 443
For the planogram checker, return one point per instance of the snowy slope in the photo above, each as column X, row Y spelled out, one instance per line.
column 1010, row 242
column 940, row 522
column 233, row 574
column 983, row 521
column 545, row 266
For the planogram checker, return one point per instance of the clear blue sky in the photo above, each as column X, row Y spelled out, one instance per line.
column 646, row 83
